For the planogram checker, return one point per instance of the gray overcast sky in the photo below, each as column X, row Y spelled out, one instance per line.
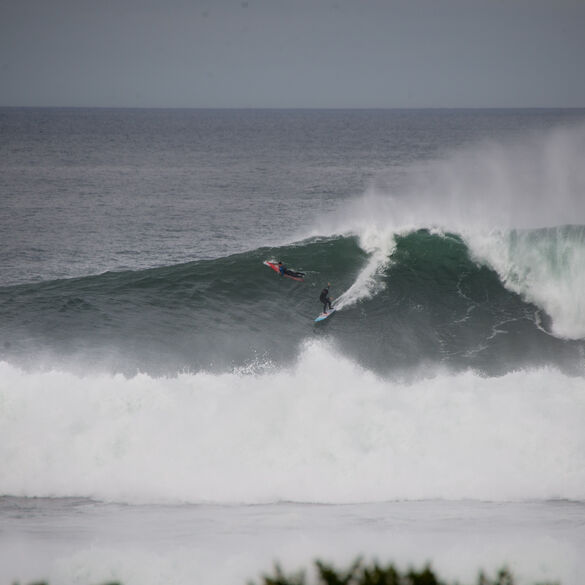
column 296, row 53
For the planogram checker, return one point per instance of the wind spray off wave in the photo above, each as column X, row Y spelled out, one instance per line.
column 499, row 197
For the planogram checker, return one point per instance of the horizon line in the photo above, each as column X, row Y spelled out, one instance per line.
column 289, row 108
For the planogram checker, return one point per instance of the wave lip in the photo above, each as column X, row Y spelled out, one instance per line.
column 544, row 266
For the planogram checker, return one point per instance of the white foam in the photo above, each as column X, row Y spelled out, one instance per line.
column 324, row 431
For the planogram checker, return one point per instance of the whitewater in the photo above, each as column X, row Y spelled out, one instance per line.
column 323, row 431
column 175, row 417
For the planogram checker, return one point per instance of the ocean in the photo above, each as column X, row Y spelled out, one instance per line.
column 171, row 413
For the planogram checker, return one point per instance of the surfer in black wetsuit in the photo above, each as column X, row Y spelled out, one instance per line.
column 284, row 270
column 325, row 299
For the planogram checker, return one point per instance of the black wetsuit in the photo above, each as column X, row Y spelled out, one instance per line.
column 324, row 298
column 284, row 270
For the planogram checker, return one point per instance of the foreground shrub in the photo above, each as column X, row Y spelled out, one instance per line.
column 361, row 574
column 375, row 574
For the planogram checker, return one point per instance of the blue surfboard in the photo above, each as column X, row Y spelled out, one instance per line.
column 324, row 316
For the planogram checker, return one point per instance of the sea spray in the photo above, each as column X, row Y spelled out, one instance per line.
column 499, row 196
column 379, row 247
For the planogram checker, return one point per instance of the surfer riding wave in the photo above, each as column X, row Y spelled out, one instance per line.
column 325, row 298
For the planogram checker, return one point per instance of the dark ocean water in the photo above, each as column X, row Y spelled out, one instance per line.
column 85, row 191
column 132, row 240
column 152, row 368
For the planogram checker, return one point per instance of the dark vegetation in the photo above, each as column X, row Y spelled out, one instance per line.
column 376, row 574
column 367, row 574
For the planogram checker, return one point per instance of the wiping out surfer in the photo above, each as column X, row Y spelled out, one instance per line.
column 284, row 270
column 325, row 298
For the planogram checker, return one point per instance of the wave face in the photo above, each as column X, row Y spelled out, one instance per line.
column 423, row 301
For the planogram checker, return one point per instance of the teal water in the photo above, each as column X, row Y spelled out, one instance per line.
column 435, row 305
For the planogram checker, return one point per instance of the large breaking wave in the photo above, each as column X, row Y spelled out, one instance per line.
column 209, row 382
column 453, row 369
column 422, row 297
